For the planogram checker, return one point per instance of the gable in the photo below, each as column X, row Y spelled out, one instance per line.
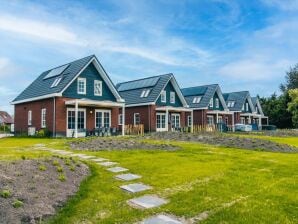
column 221, row 107
column 169, row 88
column 90, row 73
column 249, row 107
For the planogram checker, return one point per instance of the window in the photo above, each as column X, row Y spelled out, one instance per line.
column 196, row 99
column 120, row 119
column 243, row 107
column 136, row 118
column 81, row 119
column 210, row 120
column 217, row 103
column 97, row 88
column 220, row 120
column 172, row 97
column 211, row 102
column 189, row 121
column 231, row 103
column 175, row 120
column 30, row 117
column 56, row 82
column 71, row 119
column 43, row 117
column 226, row 120
column 102, row 118
column 145, row 93
column 81, row 86
column 163, row 96
column 246, row 105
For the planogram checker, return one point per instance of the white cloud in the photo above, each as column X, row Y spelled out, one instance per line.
column 287, row 5
column 7, row 69
column 39, row 29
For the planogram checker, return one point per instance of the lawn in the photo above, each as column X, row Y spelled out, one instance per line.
column 231, row 185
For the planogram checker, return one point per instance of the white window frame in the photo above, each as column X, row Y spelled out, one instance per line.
column 197, row 99
column 78, row 87
column 73, row 109
column 172, row 97
column 56, row 82
column 145, row 93
column 29, row 117
column 174, row 120
column 102, row 118
column 43, row 118
column 243, row 107
column 97, row 82
column 189, row 122
column 120, row 119
column 246, row 105
column 211, row 102
column 212, row 118
column 216, row 103
column 134, row 118
column 163, row 96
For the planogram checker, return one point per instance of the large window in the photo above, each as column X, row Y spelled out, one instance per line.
column 172, row 97
column 97, row 88
column 102, row 118
column 43, row 117
column 81, row 86
column 160, row 122
column 163, row 96
column 71, row 119
column 175, row 120
column 136, row 119
column 30, row 117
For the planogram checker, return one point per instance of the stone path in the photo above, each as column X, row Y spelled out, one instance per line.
column 134, row 188
column 161, row 219
column 117, row 169
column 147, row 201
column 127, row 177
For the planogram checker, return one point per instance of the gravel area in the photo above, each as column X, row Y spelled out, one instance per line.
column 226, row 141
column 96, row 144
column 32, row 190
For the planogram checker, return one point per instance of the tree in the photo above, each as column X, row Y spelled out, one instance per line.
column 293, row 106
column 291, row 79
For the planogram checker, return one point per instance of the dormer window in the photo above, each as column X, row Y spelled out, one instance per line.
column 56, row 82
column 81, row 86
column 163, row 96
column 145, row 93
column 197, row 99
column 172, row 97
column 211, row 102
column 97, row 88
column 231, row 103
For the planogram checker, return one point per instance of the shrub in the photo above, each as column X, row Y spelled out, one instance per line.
column 42, row 168
column 59, row 169
column 62, row 177
column 67, row 162
column 17, row 203
column 55, row 163
column 5, row 193
column 72, row 168
column 23, row 157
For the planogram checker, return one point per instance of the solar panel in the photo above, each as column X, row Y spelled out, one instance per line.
column 56, row 71
column 138, row 84
column 200, row 90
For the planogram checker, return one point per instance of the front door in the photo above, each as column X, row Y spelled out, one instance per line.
column 161, row 122
column 102, row 118
column 175, row 120
column 71, row 122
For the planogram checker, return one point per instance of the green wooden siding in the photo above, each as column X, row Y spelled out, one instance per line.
column 169, row 88
column 91, row 74
column 249, row 109
column 221, row 108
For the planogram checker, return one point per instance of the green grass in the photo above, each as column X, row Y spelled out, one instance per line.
column 234, row 186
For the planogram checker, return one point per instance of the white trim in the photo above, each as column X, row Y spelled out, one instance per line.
column 43, row 122
column 211, row 103
column 220, row 96
column 172, row 97
column 210, row 116
column 68, row 131
column 84, row 80
column 134, row 118
column 163, row 96
column 259, row 106
column 189, row 122
column 140, row 104
column 170, row 108
column 29, row 117
column 96, row 82
column 161, row 129
column 120, row 119
column 175, row 115
column 102, row 118
column 86, row 102
column 36, row 98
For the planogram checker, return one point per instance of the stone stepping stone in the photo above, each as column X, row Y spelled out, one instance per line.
column 87, row 157
column 135, row 188
column 107, row 163
column 39, row 145
column 147, row 201
column 117, row 169
column 78, row 155
column 63, row 152
column 99, row 159
column 161, row 219
column 127, row 176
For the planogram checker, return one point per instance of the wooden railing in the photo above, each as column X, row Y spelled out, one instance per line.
column 134, row 129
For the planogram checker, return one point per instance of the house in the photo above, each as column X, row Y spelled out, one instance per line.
column 6, row 120
column 259, row 118
column 241, row 104
column 69, row 100
column 156, row 102
column 208, row 104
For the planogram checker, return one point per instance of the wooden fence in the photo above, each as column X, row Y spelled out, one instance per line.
column 134, row 129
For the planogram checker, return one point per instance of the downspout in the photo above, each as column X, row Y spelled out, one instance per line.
column 149, row 117
column 54, row 117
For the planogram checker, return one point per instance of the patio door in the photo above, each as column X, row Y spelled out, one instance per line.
column 210, row 120
column 175, row 120
column 161, row 122
column 71, row 122
column 102, row 118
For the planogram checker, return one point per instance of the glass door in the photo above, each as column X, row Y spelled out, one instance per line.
column 102, row 118
column 160, row 122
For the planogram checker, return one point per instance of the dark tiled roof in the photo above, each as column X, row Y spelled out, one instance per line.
column 206, row 92
column 5, row 118
column 41, row 86
column 255, row 100
column 238, row 97
column 132, row 96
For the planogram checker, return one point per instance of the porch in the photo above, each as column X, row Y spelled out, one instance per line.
column 89, row 117
column 220, row 120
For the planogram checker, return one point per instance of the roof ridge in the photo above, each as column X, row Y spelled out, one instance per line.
column 135, row 80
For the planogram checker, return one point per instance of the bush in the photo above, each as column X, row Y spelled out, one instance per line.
column 59, row 169
column 55, row 163
column 23, row 157
column 17, row 203
column 42, row 168
column 5, row 193
column 72, row 168
column 62, row 177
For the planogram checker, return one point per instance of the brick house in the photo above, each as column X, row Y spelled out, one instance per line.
column 156, row 102
column 259, row 117
column 208, row 104
column 69, row 100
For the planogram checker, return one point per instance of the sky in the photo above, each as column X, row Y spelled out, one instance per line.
column 241, row 45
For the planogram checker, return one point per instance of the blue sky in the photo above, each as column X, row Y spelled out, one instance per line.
column 241, row 45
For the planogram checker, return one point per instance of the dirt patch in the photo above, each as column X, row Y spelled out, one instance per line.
column 32, row 190
column 226, row 141
column 96, row 144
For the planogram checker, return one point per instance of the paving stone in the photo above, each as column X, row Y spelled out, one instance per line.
column 134, row 188
column 39, row 145
column 117, row 169
column 99, row 159
column 147, row 201
column 78, row 155
column 161, row 219
column 87, row 157
column 107, row 163
column 127, row 176
column 63, row 152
